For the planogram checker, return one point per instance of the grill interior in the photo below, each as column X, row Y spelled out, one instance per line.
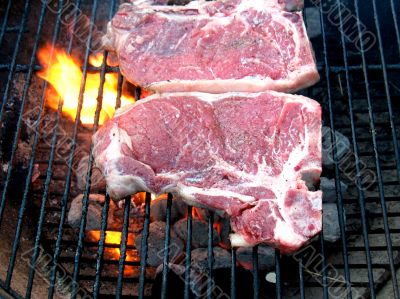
column 43, row 256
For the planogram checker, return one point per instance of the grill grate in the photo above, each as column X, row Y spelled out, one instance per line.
column 359, row 96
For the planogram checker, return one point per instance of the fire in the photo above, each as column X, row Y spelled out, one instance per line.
column 113, row 238
column 196, row 213
column 96, row 60
column 65, row 76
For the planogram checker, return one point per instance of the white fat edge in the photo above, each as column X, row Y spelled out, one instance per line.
column 175, row 176
column 119, row 186
column 287, row 236
column 206, row 97
column 115, row 37
column 108, row 40
column 259, row 5
column 237, row 240
column 288, row 175
column 113, row 152
column 171, row 188
column 261, row 178
column 316, row 200
column 283, row 231
column 122, row 110
column 117, row 137
column 249, row 84
column 189, row 191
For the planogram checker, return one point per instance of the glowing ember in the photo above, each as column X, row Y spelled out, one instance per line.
column 65, row 76
column 196, row 213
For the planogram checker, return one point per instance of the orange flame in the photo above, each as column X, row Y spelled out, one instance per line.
column 196, row 213
column 113, row 238
column 65, row 76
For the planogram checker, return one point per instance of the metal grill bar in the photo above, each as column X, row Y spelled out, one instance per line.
column 49, row 172
column 23, row 68
column 188, row 253
column 5, row 20
column 6, row 94
column 301, row 278
column 386, row 83
column 396, row 25
column 13, row 63
column 9, row 292
column 278, row 286
column 334, row 155
column 122, row 255
column 256, row 278
column 164, row 283
column 233, row 273
column 23, row 202
column 361, row 198
column 143, row 246
column 376, row 153
column 14, row 29
column 71, row 156
column 85, row 200
column 100, row 252
column 323, row 266
column 105, row 209
column 210, row 256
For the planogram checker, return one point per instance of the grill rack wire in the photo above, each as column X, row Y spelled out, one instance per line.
column 327, row 71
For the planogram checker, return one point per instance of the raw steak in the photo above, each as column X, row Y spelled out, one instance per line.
column 216, row 47
column 247, row 154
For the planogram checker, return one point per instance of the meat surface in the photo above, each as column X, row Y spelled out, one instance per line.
column 249, row 155
column 219, row 46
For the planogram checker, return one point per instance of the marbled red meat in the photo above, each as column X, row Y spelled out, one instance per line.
column 247, row 154
column 218, row 46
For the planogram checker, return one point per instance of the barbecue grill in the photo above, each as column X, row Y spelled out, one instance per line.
column 357, row 47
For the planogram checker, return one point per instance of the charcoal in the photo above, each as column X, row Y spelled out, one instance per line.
column 328, row 187
column 115, row 214
column 158, row 209
column 35, row 173
column 331, row 227
column 93, row 219
column 98, row 182
column 204, row 214
column 199, row 232
column 199, row 261
column 155, row 244
column 313, row 22
column 342, row 147
column 201, row 213
column 176, row 281
column 266, row 257
column 199, row 283
column 136, row 202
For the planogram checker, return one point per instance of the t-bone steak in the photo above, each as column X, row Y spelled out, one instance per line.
column 219, row 46
column 250, row 155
